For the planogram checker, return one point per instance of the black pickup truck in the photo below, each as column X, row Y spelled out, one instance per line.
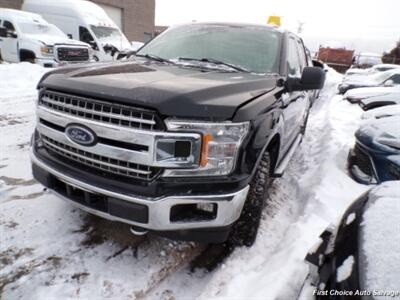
column 182, row 139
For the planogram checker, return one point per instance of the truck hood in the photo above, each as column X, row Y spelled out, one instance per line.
column 381, row 134
column 176, row 91
column 371, row 92
column 385, row 99
column 51, row 40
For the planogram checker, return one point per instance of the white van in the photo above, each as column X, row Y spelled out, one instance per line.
column 84, row 21
column 28, row 37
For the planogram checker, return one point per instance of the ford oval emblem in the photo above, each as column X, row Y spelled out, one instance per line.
column 81, row 135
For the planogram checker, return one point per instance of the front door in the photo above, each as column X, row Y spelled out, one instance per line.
column 9, row 44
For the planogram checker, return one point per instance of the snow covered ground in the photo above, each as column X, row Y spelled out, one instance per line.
column 50, row 250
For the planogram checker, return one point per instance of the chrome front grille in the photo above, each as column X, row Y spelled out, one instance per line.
column 99, row 111
column 363, row 161
column 72, row 54
column 100, row 162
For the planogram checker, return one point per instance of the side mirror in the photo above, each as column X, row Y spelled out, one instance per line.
column 388, row 83
column 313, row 78
column 93, row 45
column 3, row 32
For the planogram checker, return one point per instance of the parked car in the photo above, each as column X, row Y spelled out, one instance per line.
column 382, row 112
column 379, row 101
column 387, row 78
column 183, row 140
column 356, row 95
column 367, row 60
column 84, row 21
column 375, row 69
column 357, row 259
column 28, row 37
column 376, row 155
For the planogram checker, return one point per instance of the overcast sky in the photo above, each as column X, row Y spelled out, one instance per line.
column 365, row 25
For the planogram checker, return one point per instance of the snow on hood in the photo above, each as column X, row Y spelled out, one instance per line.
column 54, row 39
column 385, row 131
column 356, row 71
column 382, row 112
column 371, row 91
column 380, row 236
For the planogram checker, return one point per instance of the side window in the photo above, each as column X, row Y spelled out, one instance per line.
column 302, row 55
column 8, row 25
column 396, row 79
column 293, row 63
column 85, row 36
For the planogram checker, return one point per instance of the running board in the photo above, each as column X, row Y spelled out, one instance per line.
column 280, row 169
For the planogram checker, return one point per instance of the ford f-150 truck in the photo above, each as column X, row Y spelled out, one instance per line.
column 182, row 140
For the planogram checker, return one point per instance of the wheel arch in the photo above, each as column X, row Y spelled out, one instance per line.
column 26, row 54
column 272, row 144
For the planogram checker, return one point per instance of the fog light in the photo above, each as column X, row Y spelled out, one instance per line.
column 193, row 212
column 207, row 207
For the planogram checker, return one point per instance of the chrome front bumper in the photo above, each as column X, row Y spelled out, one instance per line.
column 229, row 206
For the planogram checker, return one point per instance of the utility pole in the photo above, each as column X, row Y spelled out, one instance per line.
column 300, row 27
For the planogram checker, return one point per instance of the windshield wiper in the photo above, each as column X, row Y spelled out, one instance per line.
column 156, row 58
column 216, row 62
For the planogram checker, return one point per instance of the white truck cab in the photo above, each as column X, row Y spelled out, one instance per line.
column 85, row 21
column 28, row 37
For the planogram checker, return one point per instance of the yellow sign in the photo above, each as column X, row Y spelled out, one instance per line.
column 274, row 20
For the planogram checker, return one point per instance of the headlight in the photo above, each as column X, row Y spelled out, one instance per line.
column 47, row 50
column 219, row 149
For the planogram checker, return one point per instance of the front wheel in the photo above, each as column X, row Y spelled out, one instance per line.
column 244, row 231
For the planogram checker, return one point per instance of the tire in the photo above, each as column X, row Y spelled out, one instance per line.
column 244, row 231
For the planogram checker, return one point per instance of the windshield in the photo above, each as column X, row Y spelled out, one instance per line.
column 104, row 33
column 36, row 28
column 254, row 48
column 381, row 77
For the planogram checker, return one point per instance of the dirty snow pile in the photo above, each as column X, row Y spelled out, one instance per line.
column 50, row 250
column 380, row 237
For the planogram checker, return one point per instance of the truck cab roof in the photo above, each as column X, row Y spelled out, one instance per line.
column 87, row 10
column 18, row 15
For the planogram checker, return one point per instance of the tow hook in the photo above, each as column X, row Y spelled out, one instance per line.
column 138, row 230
